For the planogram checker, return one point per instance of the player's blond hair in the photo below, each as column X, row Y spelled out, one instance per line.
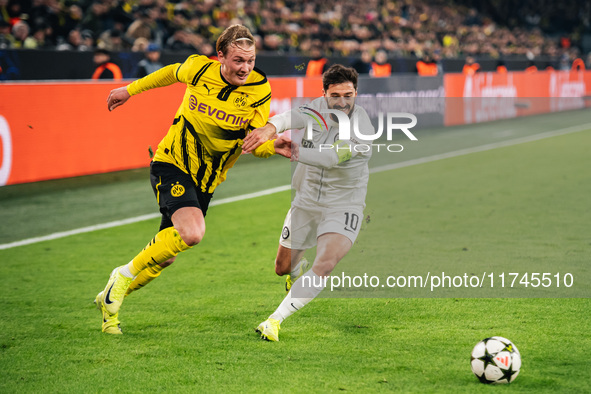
column 234, row 35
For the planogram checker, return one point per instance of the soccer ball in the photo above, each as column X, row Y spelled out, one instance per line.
column 495, row 360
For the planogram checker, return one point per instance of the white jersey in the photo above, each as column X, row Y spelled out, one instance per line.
column 322, row 182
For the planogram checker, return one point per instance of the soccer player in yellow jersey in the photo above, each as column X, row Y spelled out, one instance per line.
column 224, row 101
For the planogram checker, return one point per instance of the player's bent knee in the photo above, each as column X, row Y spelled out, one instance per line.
column 282, row 267
column 189, row 223
column 192, row 236
column 283, row 261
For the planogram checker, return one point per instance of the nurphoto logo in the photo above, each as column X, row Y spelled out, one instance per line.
column 363, row 139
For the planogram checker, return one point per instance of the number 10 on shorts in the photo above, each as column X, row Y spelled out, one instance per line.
column 351, row 221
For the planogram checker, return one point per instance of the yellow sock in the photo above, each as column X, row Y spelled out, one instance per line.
column 144, row 277
column 165, row 245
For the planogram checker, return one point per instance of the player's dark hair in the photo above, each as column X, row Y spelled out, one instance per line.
column 234, row 35
column 338, row 73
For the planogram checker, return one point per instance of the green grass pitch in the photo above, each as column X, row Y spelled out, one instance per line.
column 192, row 330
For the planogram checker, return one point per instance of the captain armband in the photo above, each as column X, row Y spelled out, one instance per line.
column 343, row 150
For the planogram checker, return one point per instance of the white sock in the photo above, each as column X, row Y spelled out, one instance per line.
column 126, row 272
column 304, row 290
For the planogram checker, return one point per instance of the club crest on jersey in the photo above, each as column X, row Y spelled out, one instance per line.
column 177, row 190
column 285, row 233
column 240, row 101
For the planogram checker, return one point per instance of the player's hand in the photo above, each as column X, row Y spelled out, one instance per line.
column 117, row 97
column 257, row 137
column 283, row 146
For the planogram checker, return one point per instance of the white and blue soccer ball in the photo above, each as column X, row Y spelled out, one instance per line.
column 495, row 360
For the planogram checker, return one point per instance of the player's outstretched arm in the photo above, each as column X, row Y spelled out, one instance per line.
column 287, row 120
column 117, row 97
column 257, row 137
column 327, row 156
column 162, row 77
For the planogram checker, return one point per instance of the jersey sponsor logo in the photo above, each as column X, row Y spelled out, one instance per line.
column 216, row 113
column 307, row 143
column 192, row 102
column 177, row 190
column 285, row 232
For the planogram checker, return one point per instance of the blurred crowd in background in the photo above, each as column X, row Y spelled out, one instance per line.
column 419, row 28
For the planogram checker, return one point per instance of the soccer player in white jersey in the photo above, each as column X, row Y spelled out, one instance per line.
column 330, row 182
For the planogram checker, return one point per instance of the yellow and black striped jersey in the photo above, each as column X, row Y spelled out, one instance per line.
column 207, row 133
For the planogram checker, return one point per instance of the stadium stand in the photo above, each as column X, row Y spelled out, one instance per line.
column 499, row 29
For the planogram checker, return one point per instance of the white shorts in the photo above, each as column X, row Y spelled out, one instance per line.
column 302, row 227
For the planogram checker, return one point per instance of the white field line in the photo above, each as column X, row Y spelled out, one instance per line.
column 274, row 190
column 140, row 218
